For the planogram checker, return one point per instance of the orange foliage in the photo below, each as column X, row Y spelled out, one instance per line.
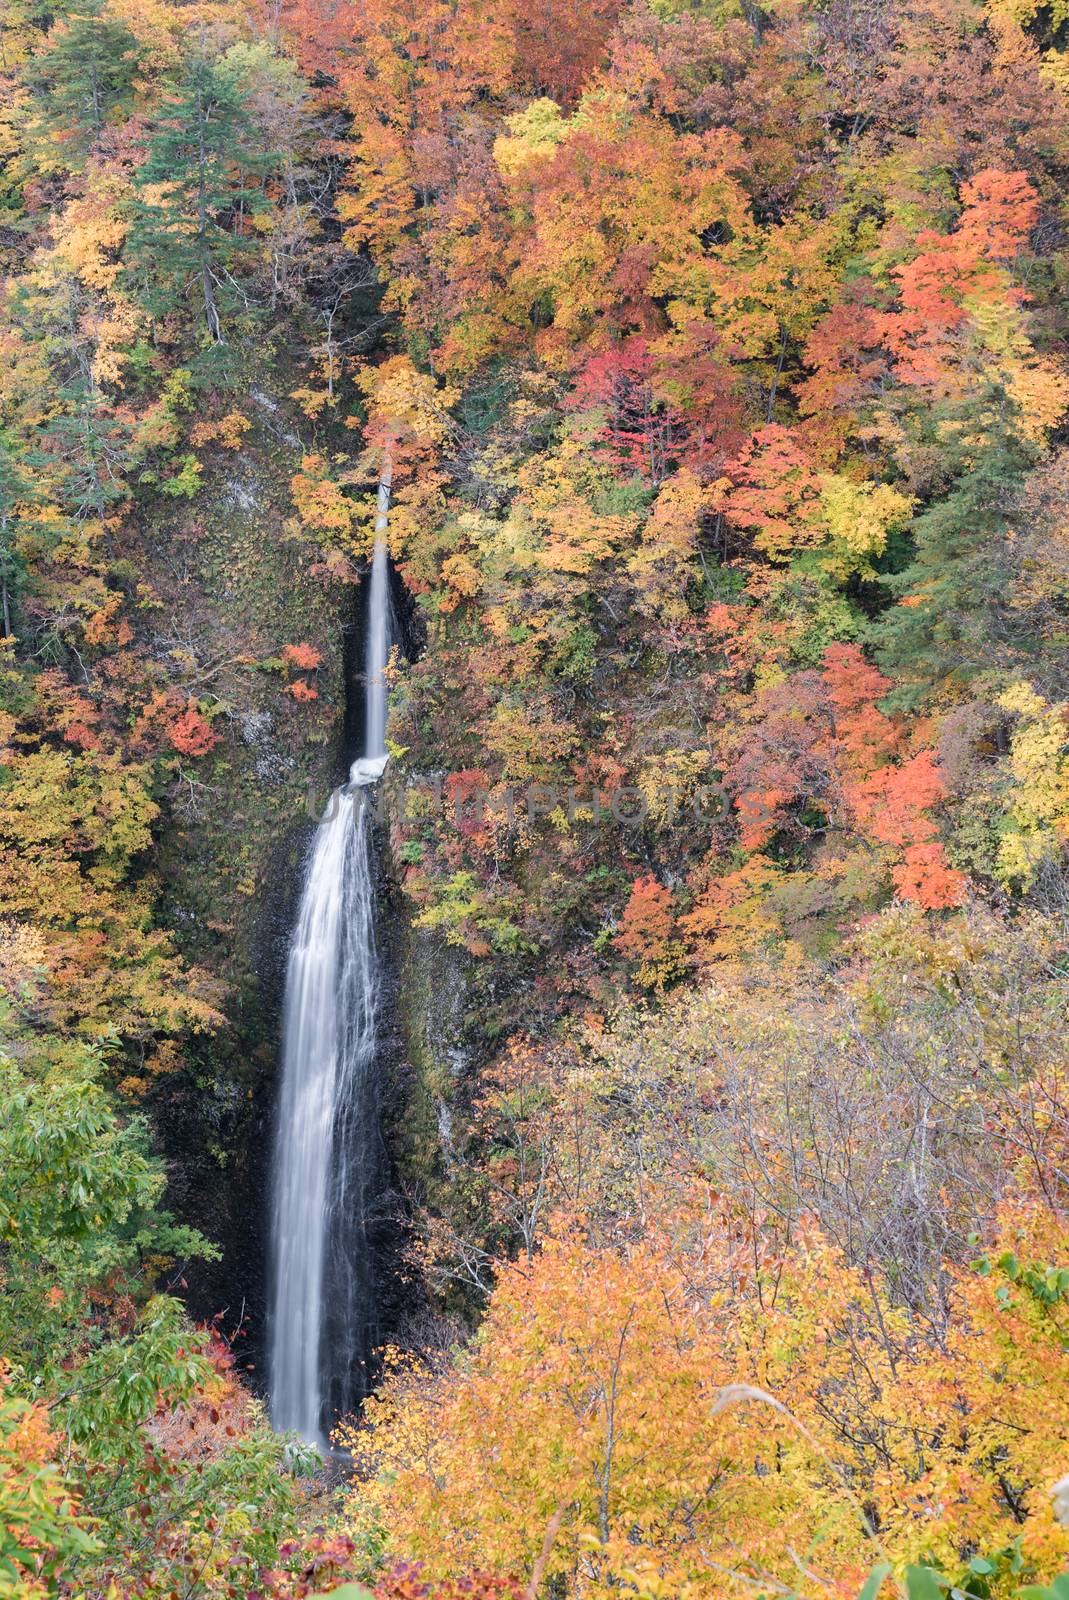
column 229, row 431
column 305, row 657
column 646, row 932
column 300, row 690
column 690, row 1407
column 954, row 273
column 926, row 879
column 190, row 734
column 771, row 494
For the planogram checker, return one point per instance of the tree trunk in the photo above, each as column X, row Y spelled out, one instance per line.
column 211, row 310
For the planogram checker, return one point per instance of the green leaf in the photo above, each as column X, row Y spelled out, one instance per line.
column 874, row 1582
column 922, row 1583
column 348, row 1591
column 1058, row 1590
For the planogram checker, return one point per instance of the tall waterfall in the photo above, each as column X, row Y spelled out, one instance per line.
column 326, row 1142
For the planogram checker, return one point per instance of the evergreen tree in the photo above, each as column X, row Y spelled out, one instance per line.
column 15, row 489
column 84, row 76
column 945, row 628
column 186, row 243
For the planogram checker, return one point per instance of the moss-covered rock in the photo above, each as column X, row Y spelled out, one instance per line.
column 233, row 587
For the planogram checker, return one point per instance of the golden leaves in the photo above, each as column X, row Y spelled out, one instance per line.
column 1039, row 790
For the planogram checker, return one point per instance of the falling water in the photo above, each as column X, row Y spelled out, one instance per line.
column 376, row 654
column 326, row 1148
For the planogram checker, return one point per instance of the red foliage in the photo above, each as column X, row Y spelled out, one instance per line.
column 787, row 756
column 190, row 734
column 302, row 658
column 926, row 878
column 642, row 434
column 465, row 792
column 406, row 1582
column 77, row 733
column 313, row 1565
column 666, row 409
column 821, row 740
column 560, row 43
column 843, row 367
column 852, row 681
column 318, row 33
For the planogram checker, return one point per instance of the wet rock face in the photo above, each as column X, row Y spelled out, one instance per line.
column 231, row 882
column 217, row 1120
column 234, row 592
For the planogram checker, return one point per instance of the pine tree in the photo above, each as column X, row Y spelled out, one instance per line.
column 942, row 632
column 15, row 489
column 84, row 76
column 185, row 242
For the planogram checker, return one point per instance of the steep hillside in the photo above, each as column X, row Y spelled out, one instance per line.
column 703, row 367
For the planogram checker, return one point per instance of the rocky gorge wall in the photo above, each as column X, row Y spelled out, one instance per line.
column 237, row 584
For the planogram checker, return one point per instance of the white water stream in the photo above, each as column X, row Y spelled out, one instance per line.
column 326, row 1137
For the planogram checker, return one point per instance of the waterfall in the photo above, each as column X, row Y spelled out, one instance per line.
column 326, row 1144
column 377, row 650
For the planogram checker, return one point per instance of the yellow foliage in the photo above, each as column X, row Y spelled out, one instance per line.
column 734, row 916
column 229, row 431
column 321, row 503
column 1040, row 390
column 1022, row 12
column 985, row 1411
column 662, row 566
column 1037, row 385
column 89, row 234
column 71, row 829
column 534, row 132
column 668, row 782
column 23, row 957
column 404, row 401
column 462, row 576
column 703, row 1407
column 1039, row 804
column 859, row 517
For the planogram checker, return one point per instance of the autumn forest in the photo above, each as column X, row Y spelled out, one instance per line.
column 699, row 370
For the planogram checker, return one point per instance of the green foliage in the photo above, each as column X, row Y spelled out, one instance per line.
column 83, row 1237
column 84, row 78
column 473, row 917
column 1048, row 1285
column 1058, row 1590
column 926, row 1583
column 939, row 635
column 356, row 1591
column 79, row 1215
column 184, row 483
column 195, row 196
